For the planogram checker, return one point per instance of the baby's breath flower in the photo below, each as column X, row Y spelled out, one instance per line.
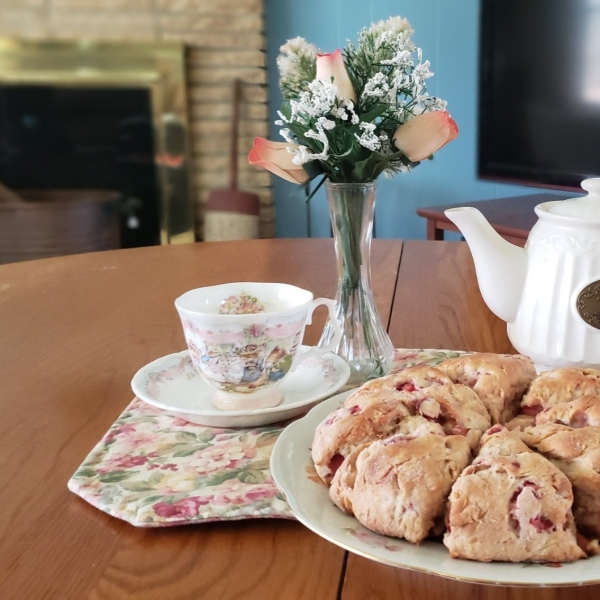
column 368, row 139
column 376, row 87
column 317, row 101
column 301, row 155
column 286, row 135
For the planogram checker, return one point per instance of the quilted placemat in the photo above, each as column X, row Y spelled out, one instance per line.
column 155, row 469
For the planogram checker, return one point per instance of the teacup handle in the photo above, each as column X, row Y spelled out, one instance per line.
column 337, row 331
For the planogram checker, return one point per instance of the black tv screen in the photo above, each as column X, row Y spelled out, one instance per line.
column 539, row 92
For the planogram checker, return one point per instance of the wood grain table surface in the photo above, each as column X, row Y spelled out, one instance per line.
column 73, row 331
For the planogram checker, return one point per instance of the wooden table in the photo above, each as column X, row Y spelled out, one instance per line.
column 512, row 218
column 73, row 331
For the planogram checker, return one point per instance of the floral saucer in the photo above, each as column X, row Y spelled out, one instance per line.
column 172, row 383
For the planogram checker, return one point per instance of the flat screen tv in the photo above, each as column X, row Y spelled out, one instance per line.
column 539, row 92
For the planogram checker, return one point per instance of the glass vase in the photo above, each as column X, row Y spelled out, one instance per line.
column 365, row 344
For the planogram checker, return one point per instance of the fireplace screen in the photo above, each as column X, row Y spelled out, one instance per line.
column 81, row 116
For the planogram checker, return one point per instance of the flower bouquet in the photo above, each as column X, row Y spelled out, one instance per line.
column 348, row 117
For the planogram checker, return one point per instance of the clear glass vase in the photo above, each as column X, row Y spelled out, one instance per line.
column 365, row 344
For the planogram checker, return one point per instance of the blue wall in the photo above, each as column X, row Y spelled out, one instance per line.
column 448, row 32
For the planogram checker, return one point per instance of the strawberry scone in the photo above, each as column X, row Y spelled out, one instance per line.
column 511, row 504
column 342, row 484
column 402, row 483
column 500, row 380
column 576, row 452
column 560, row 385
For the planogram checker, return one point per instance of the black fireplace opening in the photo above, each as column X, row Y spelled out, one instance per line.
column 54, row 137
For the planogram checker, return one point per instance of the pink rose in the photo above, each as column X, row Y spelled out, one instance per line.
column 332, row 66
column 425, row 134
column 275, row 157
column 126, row 462
column 187, row 507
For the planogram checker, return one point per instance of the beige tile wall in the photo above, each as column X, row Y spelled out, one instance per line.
column 224, row 39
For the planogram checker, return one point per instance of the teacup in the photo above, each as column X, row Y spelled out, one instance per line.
column 244, row 338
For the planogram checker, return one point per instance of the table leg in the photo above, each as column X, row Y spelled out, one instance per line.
column 433, row 233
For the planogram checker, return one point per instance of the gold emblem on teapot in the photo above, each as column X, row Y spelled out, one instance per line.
column 588, row 304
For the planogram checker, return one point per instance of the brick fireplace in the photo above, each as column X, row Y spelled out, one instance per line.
column 221, row 40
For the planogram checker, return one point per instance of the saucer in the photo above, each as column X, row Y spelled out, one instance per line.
column 172, row 383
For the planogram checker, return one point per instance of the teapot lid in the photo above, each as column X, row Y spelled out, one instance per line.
column 587, row 207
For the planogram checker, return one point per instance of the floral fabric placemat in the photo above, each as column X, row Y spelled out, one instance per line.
column 155, row 469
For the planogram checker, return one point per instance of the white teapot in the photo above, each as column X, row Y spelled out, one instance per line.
column 549, row 291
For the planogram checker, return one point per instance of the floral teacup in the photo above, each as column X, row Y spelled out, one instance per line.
column 245, row 337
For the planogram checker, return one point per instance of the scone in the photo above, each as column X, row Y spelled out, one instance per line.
column 560, row 385
column 396, row 385
column 348, row 428
column 342, row 484
column 576, row 452
column 500, row 380
column 402, row 483
column 455, row 408
column 583, row 412
column 511, row 504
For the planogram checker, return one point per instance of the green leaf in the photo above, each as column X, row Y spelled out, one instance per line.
column 152, row 499
column 183, row 453
column 260, row 465
column 86, row 473
column 298, row 131
column 267, row 435
column 220, row 478
column 115, row 476
column 252, row 477
column 286, row 110
column 364, row 170
column 385, row 161
column 375, row 112
column 205, row 436
column 156, row 477
column 186, row 436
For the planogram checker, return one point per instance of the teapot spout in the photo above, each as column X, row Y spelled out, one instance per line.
column 500, row 265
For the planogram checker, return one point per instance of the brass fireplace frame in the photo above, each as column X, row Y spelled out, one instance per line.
column 157, row 67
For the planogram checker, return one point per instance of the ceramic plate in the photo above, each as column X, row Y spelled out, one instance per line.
column 293, row 471
column 173, row 383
